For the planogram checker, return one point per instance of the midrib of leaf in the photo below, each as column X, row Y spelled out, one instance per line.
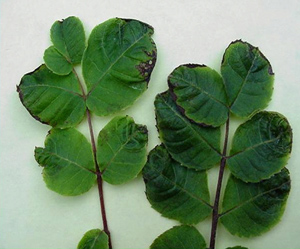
column 245, row 80
column 200, row 89
column 57, row 87
column 107, row 70
column 182, row 189
column 118, row 151
column 70, row 161
column 194, row 131
column 252, row 199
column 95, row 239
column 254, row 146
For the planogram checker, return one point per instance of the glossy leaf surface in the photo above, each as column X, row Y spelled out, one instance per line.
column 52, row 99
column 250, row 209
column 200, row 92
column 248, row 78
column 175, row 191
column 261, row 147
column 94, row 239
column 180, row 237
column 122, row 150
column 117, row 64
column 68, row 38
column 68, row 162
column 188, row 143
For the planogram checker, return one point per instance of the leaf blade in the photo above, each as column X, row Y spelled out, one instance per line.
column 248, row 78
column 68, row 37
column 261, row 147
column 56, row 62
column 94, row 239
column 179, row 237
column 52, row 99
column 250, row 209
column 175, row 191
column 188, row 143
column 122, row 150
column 200, row 91
column 68, row 162
column 121, row 65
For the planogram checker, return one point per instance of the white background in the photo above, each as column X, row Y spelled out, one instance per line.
column 31, row 216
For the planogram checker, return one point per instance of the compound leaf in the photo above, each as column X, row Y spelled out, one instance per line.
column 68, row 38
column 261, row 147
column 200, row 92
column 117, row 64
column 250, row 209
column 248, row 78
column 122, row 150
column 52, row 99
column 176, row 191
column 68, row 162
column 94, row 239
column 180, row 237
column 56, row 62
column 190, row 144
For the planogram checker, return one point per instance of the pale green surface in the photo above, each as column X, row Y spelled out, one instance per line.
column 199, row 32
column 248, row 78
column 68, row 38
column 52, row 99
column 188, row 143
column 68, row 161
column 200, row 91
column 94, row 239
column 250, row 209
column 56, row 62
column 180, row 237
column 122, row 150
column 261, row 147
column 117, row 64
column 175, row 191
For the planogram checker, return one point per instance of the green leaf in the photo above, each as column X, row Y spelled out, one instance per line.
column 52, row 99
column 200, row 91
column 248, row 78
column 176, row 191
column 190, row 144
column 261, row 147
column 68, row 162
column 250, row 209
column 68, row 38
column 180, row 237
column 117, row 64
column 122, row 150
column 56, row 62
column 94, row 239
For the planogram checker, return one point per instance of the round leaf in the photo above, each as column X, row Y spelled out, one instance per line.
column 200, row 92
column 94, row 239
column 180, row 237
column 117, row 64
column 261, row 147
column 250, row 209
column 68, row 38
column 56, row 62
column 248, row 78
column 68, row 162
column 122, row 150
column 175, row 191
column 52, row 99
column 190, row 144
